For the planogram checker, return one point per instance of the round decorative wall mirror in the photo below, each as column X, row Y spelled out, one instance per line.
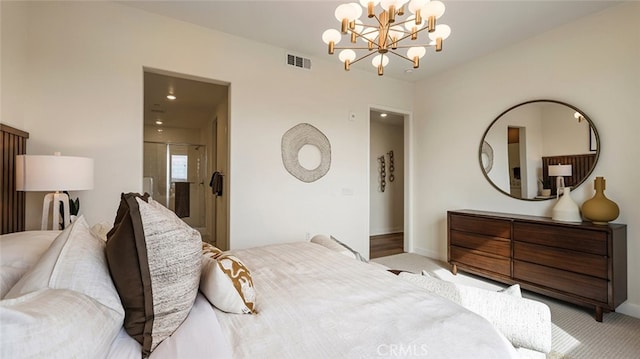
column 527, row 140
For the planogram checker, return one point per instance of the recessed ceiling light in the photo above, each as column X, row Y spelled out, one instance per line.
column 160, row 130
column 383, row 115
column 159, row 122
column 171, row 97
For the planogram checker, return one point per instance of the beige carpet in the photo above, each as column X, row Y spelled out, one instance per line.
column 576, row 334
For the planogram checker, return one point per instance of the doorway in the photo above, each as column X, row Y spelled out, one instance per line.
column 387, row 183
column 183, row 147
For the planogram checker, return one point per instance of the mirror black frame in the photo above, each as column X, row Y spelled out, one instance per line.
column 484, row 135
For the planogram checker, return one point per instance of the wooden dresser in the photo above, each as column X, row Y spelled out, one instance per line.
column 582, row 263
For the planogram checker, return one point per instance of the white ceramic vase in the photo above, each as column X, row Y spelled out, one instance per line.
column 566, row 210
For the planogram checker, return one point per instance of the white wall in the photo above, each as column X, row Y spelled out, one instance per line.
column 386, row 209
column 83, row 95
column 13, row 37
column 593, row 67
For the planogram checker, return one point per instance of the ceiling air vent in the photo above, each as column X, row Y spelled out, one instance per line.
column 298, row 61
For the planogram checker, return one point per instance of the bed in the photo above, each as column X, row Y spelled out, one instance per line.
column 310, row 302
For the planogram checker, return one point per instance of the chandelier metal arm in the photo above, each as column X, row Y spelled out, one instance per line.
column 353, row 48
column 364, row 57
column 399, row 55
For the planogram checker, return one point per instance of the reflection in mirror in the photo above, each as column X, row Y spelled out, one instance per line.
column 526, row 139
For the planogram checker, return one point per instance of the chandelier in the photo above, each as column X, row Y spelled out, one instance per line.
column 387, row 31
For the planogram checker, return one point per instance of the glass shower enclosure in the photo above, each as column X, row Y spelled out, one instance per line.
column 174, row 176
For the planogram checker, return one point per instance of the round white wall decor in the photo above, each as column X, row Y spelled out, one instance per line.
column 297, row 156
column 486, row 156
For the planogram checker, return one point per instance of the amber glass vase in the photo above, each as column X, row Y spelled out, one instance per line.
column 600, row 209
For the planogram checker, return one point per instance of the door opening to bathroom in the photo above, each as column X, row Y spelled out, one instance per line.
column 183, row 149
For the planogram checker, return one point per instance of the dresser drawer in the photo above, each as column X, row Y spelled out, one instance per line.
column 575, row 239
column 579, row 262
column 480, row 260
column 486, row 226
column 494, row 245
column 563, row 281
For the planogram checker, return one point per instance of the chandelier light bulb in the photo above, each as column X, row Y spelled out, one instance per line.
column 346, row 11
column 357, row 11
column 416, row 5
column 417, row 51
column 442, row 31
column 331, row 35
column 347, row 54
column 433, row 8
column 380, row 59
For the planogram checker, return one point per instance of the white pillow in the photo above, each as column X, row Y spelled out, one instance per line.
column 56, row 323
column 19, row 252
column 75, row 260
column 226, row 282
column 525, row 322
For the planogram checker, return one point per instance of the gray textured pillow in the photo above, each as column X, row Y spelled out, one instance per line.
column 154, row 259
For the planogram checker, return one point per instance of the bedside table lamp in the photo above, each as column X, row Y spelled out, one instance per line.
column 54, row 173
column 559, row 171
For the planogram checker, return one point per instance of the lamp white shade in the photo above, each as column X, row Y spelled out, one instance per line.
column 560, row 170
column 53, row 173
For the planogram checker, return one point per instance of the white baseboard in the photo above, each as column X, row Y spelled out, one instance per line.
column 629, row 309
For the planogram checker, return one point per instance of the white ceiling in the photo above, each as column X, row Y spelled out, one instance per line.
column 478, row 27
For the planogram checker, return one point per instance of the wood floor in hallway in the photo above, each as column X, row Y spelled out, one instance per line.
column 386, row 244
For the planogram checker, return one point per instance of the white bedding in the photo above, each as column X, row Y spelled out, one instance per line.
column 199, row 336
column 316, row 303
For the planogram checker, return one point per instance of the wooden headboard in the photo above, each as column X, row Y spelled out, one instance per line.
column 14, row 142
column 581, row 167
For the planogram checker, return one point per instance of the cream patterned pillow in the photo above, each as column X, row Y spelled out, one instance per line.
column 226, row 281
column 210, row 250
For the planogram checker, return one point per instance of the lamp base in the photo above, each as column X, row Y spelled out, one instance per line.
column 55, row 198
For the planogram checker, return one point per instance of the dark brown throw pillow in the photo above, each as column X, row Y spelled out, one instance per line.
column 155, row 262
column 125, row 250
